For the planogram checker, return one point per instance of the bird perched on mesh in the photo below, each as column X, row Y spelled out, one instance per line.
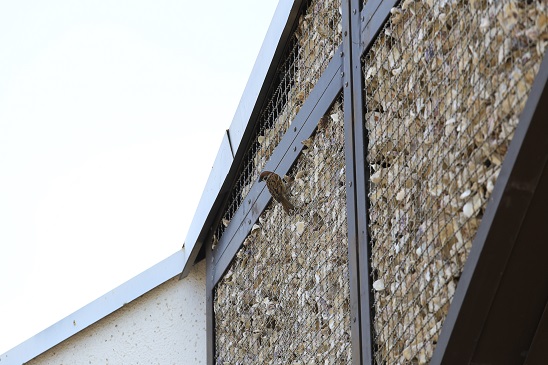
column 277, row 189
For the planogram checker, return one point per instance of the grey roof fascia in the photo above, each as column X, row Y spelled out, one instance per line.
column 256, row 87
column 95, row 311
column 211, row 193
column 263, row 63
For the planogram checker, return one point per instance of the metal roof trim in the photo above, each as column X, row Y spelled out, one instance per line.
column 95, row 311
column 240, row 129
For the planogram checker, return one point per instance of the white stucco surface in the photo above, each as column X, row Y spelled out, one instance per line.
column 167, row 325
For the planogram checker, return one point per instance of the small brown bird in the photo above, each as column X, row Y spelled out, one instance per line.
column 276, row 187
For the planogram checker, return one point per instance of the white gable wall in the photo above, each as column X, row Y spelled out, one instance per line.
column 167, row 325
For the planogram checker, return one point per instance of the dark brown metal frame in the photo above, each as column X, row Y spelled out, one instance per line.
column 356, row 192
column 493, row 268
column 498, row 314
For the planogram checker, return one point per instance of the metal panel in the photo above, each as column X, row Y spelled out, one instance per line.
column 511, row 323
column 497, row 242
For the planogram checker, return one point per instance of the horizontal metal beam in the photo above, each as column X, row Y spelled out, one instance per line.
column 373, row 16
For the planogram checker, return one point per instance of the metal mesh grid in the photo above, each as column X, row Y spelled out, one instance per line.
column 445, row 82
column 285, row 297
column 315, row 40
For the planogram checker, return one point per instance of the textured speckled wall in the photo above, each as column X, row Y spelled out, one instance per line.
column 164, row 326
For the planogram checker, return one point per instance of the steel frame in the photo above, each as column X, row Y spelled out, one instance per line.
column 356, row 189
column 496, row 316
column 516, row 187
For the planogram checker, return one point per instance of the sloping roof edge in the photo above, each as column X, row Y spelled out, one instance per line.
column 234, row 140
column 96, row 310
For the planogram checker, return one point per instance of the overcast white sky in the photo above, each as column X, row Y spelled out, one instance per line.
column 111, row 114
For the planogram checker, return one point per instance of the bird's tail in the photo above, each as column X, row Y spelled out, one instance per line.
column 286, row 204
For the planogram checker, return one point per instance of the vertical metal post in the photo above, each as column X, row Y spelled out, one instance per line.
column 353, row 259
column 356, row 189
column 210, row 314
column 362, row 184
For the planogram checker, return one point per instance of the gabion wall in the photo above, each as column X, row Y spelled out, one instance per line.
column 445, row 84
column 312, row 46
column 285, row 297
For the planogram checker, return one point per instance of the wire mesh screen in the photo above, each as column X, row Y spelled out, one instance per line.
column 445, row 83
column 285, row 297
column 317, row 36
